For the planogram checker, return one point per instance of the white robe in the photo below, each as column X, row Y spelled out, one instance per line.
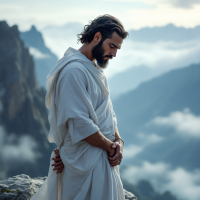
column 79, row 102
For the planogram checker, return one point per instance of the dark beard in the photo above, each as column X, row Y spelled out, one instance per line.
column 98, row 52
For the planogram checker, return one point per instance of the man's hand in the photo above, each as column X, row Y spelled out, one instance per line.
column 117, row 158
column 112, row 150
column 59, row 166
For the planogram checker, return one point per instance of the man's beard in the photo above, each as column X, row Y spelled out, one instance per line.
column 98, row 52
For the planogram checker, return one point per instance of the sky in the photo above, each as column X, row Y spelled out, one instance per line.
column 133, row 13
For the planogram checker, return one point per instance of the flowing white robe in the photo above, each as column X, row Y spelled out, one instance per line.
column 79, row 103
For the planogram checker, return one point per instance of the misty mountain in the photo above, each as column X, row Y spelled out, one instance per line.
column 173, row 96
column 150, row 52
column 144, row 191
column 129, row 79
column 44, row 59
column 165, row 33
column 23, row 116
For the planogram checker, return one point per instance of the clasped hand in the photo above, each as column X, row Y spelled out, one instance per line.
column 114, row 157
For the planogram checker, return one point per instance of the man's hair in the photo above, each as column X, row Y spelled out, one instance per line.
column 106, row 25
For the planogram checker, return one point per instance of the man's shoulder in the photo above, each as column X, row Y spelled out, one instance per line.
column 74, row 67
column 74, row 71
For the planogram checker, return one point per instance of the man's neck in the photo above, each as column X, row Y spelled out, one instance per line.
column 86, row 49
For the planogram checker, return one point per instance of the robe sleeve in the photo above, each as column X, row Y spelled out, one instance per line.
column 114, row 117
column 74, row 104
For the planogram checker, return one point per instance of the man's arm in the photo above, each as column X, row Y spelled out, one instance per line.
column 99, row 140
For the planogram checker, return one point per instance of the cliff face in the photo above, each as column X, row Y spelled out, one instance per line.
column 23, row 116
column 43, row 58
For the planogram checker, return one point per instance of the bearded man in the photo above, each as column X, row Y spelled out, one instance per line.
column 82, row 122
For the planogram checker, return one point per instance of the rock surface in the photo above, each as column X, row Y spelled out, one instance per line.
column 43, row 58
column 23, row 115
column 22, row 187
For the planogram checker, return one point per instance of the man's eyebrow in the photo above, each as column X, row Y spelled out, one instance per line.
column 114, row 45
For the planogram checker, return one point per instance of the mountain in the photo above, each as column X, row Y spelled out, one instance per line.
column 165, row 33
column 44, row 59
column 60, row 38
column 169, row 98
column 130, row 79
column 144, row 191
column 23, row 115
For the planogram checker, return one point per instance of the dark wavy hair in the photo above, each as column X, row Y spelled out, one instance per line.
column 106, row 25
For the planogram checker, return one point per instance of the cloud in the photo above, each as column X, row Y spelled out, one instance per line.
column 175, row 3
column 133, row 13
column 147, row 139
column 131, row 151
column 17, row 148
column 160, row 55
column 142, row 140
column 183, row 122
column 187, row 4
column 183, row 184
column 37, row 54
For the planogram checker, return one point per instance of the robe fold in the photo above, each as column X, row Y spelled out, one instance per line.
column 79, row 105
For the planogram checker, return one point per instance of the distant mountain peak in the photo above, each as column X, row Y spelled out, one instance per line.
column 170, row 25
column 33, row 29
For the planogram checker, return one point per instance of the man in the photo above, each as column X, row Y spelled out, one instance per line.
column 82, row 121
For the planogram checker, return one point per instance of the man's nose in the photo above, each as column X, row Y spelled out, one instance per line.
column 114, row 53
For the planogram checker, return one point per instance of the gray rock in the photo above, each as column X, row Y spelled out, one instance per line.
column 22, row 187
column 129, row 195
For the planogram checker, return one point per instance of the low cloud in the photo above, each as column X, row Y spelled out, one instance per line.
column 160, row 55
column 183, row 122
column 148, row 139
column 143, row 140
column 37, row 54
column 183, row 184
column 17, row 148
column 131, row 151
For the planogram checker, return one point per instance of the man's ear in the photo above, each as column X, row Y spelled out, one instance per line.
column 97, row 37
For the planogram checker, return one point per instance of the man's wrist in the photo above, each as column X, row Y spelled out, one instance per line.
column 120, row 140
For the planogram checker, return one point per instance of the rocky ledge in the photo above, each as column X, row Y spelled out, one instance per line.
column 22, row 187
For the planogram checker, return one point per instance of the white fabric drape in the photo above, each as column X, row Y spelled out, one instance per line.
column 79, row 104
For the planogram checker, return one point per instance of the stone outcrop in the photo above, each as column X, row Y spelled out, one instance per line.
column 22, row 187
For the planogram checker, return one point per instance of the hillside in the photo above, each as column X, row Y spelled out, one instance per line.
column 23, row 116
column 174, row 94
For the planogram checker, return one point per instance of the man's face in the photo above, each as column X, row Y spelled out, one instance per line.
column 106, row 50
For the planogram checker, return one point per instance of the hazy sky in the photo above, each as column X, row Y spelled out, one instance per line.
column 133, row 13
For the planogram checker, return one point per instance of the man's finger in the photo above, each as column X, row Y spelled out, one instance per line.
column 56, row 159
column 115, row 164
column 116, row 156
column 116, row 161
column 56, row 150
column 59, row 167
column 57, row 163
column 60, row 170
